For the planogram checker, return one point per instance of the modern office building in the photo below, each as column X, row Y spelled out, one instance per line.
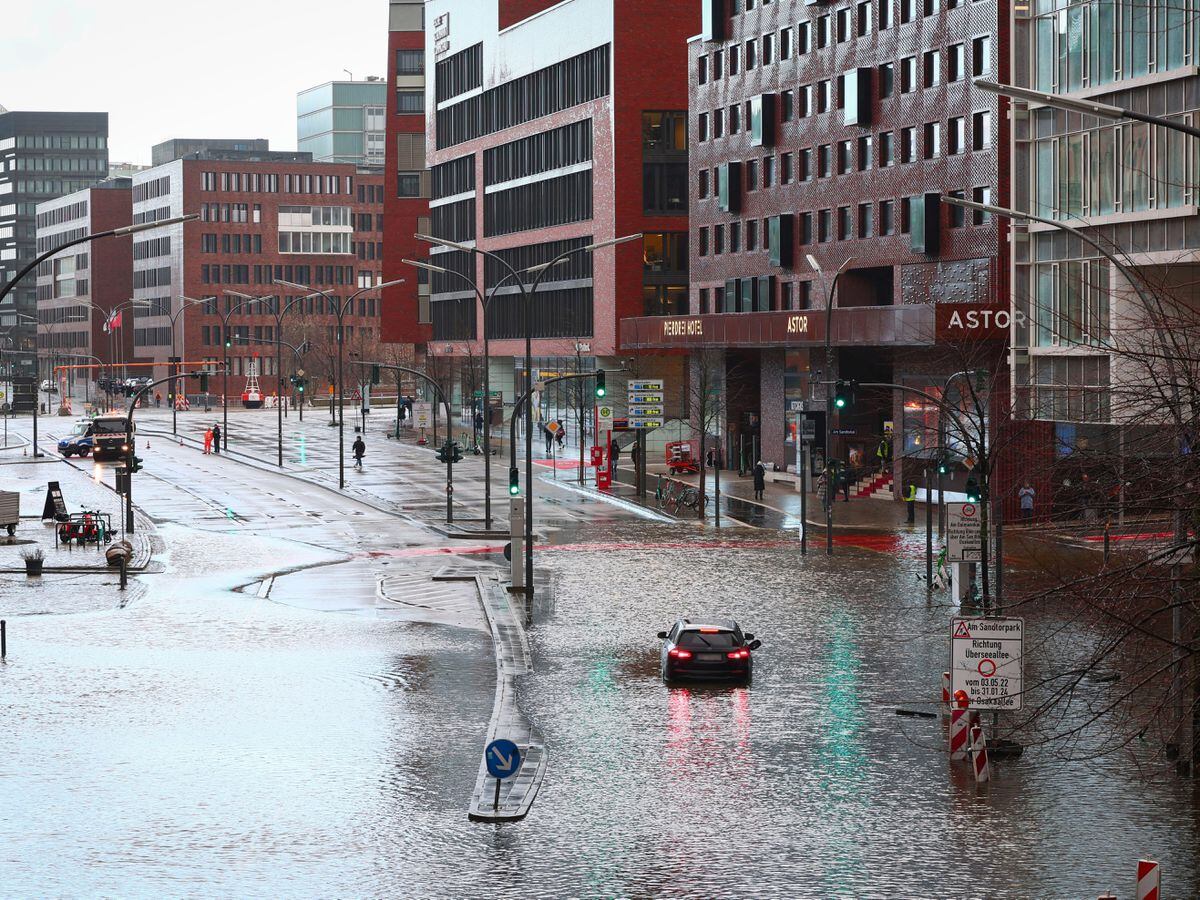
column 79, row 290
column 826, row 132
column 1078, row 323
column 317, row 224
column 42, row 155
column 406, row 178
column 552, row 126
column 178, row 148
column 343, row 121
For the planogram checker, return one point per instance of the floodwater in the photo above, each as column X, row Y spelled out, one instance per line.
column 205, row 741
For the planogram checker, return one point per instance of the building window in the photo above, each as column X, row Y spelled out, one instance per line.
column 410, row 102
column 958, row 217
column 768, row 49
column 887, row 80
column 931, row 7
column 842, row 25
column 864, row 153
column 845, row 225
column 732, row 60
column 822, row 31
column 787, row 295
column 824, row 161
column 664, row 187
column 908, row 144
column 933, row 140
column 954, row 62
column 752, row 174
column 718, row 123
column 908, row 10
column 408, row 184
column 806, row 166
column 804, row 101
column 702, row 70
column 843, row 157
column 806, row 228
column 751, row 236
column 785, row 43
column 885, row 14
column 908, row 74
column 823, row 92
column 702, row 241
column 718, row 239
column 703, row 295
column 981, row 128
column 702, row 183
column 864, row 220
column 933, row 67
column 786, row 168
column 824, row 226
column 751, row 54
column 702, row 127
column 718, row 64
column 735, row 237
column 803, row 38
column 956, row 136
column 981, row 195
column 768, row 171
column 735, row 118
column 887, row 217
column 980, row 52
column 787, row 105
column 410, row 62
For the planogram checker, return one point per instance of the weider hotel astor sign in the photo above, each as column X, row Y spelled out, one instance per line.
column 912, row 325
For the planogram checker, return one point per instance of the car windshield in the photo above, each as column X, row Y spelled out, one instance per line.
column 80, row 429
column 697, row 640
column 110, row 426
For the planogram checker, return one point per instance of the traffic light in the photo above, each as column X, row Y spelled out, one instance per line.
column 442, row 452
column 943, row 464
column 456, row 450
column 514, row 482
column 300, row 382
column 203, row 376
column 972, row 489
column 374, row 374
column 601, row 389
column 135, row 464
column 843, row 394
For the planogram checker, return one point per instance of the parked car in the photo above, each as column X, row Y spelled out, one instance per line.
column 79, row 442
column 712, row 649
column 50, row 386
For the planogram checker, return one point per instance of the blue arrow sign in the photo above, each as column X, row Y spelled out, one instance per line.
column 503, row 758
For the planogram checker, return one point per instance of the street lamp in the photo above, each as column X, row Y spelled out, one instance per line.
column 527, row 293
column 484, row 301
column 113, row 343
column 829, row 387
column 278, row 313
column 50, row 381
column 173, row 393
column 339, row 310
column 1086, row 107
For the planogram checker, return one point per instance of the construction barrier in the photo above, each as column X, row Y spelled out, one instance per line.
column 959, row 722
column 979, row 755
column 945, row 693
column 1148, row 877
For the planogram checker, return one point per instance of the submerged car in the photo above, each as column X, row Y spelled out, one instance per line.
column 79, row 442
column 714, row 649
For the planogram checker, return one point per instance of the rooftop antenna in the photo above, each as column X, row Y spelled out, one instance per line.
column 348, row 72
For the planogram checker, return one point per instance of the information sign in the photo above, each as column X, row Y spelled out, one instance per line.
column 963, row 540
column 645, row 403
column 422, row 414
column 986, row 661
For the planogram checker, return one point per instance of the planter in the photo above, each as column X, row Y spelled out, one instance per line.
column 33, row 567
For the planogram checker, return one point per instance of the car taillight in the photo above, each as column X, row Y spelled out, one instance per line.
column 742, row 653
column 679, row 653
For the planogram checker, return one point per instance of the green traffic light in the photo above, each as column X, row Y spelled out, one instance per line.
column 600, row 392
column 839, row 402
column 514, row 489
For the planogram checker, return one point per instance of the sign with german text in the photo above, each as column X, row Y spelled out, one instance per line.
column 987, row 661
column 963, row 539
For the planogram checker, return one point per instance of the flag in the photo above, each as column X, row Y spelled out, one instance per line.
column 112, row 323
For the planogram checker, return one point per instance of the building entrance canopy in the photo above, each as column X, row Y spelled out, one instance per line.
column 870, row 326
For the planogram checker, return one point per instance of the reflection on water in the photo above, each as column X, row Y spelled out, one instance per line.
column 208, row 742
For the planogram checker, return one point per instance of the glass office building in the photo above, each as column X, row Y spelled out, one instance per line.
column 343, row 122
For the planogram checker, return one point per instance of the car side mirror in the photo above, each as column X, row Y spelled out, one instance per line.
column 663, row 635
column 748, row 636
column 754, row 645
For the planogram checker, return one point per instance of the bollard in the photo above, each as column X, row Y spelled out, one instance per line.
column 1106, row 546
column 1148, row 880
column 3, row 639
column 959, row 721
column 979, row 756
column 124, row 571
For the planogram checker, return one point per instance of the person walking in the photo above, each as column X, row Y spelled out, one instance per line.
column 216, row 433
column 560, row 436
column 1026, row 495
column 614, row 454
column 883, row 454
column 208, row 439
column 823, row 489
column 635, row 454
column 158, row 398
column 843, row 477
column 549, row 437
column 359, row 449
column 910, row 501
column 760, row 480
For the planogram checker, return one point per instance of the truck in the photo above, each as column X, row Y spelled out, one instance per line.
column 112, row 436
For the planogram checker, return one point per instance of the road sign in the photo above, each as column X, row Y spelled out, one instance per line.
column 503, row 758
column 604, row 418
column 808, row 429
column 987, row 661
column 964, row 542
column 422, row 414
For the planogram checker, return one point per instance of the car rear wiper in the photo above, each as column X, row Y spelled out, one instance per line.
column 700, row 637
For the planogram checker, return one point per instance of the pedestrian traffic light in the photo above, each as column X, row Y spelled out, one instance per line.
column 456, row 450
column 943, row 464
column 374, row 374
column 204, row 382
column 300, row 384
column 843, row 394
column 601, row 389
column 972, row 489
column 514, row 481
column 135, row 464
column 442, row 453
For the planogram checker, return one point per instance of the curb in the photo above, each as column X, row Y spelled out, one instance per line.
column 512, row 661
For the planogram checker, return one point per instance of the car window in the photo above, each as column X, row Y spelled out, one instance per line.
column 110, row 426
column 697, row 640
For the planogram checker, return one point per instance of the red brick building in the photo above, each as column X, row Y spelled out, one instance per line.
column 550, row 127
column 406, row 179
column 829, row 131
column 262, row 217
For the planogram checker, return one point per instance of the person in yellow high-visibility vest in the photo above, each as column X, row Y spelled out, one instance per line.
column 910, row 500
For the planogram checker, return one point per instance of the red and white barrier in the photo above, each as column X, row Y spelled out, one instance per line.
column 960, row 718
column 945, row 693
column 1149, row 875
column 979, row 755
column 181, row 402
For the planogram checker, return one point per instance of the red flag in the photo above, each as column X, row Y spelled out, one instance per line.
column 113, row 322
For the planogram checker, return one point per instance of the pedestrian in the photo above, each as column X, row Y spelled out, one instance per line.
column 883, row 454
column 843, row 476
column 760, row 480
column 823, row 489
column 359, row 449
column 614, row 453
column 549, row 436
column 710, row 458
column 158, row 398
column 561, row 434
column 479, row 421
column 635, row 453
column 216, row 433
column 1026, row 495
column 208, row 439
column 941, row 575
column 910, row 501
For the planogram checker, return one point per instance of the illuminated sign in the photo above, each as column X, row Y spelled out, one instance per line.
column 682, row 327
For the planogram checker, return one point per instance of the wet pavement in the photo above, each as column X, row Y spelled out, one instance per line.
column 286, row 712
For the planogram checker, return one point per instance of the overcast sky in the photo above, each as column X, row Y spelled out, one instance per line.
column 182, row 68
